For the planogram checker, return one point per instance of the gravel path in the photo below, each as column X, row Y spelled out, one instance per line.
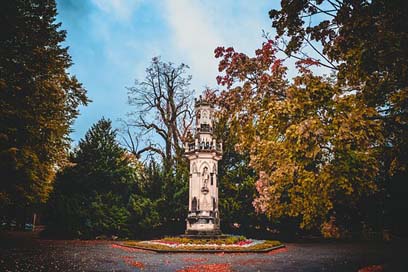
column 25, row 252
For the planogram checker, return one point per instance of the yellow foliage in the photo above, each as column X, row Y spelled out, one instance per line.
column 314, row 142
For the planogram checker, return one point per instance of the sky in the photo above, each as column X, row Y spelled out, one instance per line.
column 112, row 42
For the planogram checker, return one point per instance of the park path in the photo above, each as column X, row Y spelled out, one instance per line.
column 26, row 252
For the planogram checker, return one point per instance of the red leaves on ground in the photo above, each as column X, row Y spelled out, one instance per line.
column 207, row 268
column 129, row 260
column 238, row 254
column 251, row 262
column 137, row 264
column 372, row 268
column 276, row 251
column 128, row 249
column 195, row 260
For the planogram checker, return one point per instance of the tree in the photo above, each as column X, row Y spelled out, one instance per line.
column 39, row 101
column 163, row 105
column 364, row 42
column 237, row 183
column 163, row 115
column 236, row 180
column 313, row 143
column 96, row 194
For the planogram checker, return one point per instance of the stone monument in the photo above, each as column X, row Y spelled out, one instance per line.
column 204, row 153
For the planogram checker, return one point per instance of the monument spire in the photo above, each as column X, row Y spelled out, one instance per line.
column 204, row 153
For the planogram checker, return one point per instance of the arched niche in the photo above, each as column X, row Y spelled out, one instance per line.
column 194, row 204
column 203, row 165
column 194, row 168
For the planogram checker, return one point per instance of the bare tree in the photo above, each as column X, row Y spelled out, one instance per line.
column 162, row 111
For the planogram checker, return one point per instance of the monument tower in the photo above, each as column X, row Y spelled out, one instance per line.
column 203, row 154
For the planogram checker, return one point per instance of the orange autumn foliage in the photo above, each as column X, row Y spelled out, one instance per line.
column 313, row 142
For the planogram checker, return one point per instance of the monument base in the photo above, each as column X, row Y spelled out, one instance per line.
column 197, row 234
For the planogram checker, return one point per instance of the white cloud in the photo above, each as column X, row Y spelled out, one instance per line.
column 120, row 9
column 195, row 37
column 198, row 27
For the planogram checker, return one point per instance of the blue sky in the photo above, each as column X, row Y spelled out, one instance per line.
column 112, row 42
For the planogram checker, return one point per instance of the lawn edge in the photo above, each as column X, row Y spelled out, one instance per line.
column 204, row 251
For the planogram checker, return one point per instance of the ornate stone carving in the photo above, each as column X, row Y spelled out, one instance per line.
column 204, row 154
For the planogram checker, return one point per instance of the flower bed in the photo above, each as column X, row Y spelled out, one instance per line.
column 230, row 244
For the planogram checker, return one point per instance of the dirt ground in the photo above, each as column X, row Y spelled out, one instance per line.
column 24, row 251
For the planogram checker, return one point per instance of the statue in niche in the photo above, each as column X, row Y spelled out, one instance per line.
column 205, row 178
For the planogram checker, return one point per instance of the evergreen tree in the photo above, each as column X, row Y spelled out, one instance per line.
column 174, row 195
column 98, row 194
column 237, row 182
column 39, row 100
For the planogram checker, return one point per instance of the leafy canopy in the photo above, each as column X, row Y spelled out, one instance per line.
column 313, row 143
column 39, row 101
column 365, row 43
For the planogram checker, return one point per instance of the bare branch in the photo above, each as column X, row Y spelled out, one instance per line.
column 327, row 12
column 334, row 5
column 151, row 149
column 149, row 126
column 163, row 106
column 305, row 56
column 323, row 56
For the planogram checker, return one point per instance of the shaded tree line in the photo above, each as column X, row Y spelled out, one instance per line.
column 103, row 191
column 330, row 151
column 308, row 153
column 107, row 190
column 39, row 101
